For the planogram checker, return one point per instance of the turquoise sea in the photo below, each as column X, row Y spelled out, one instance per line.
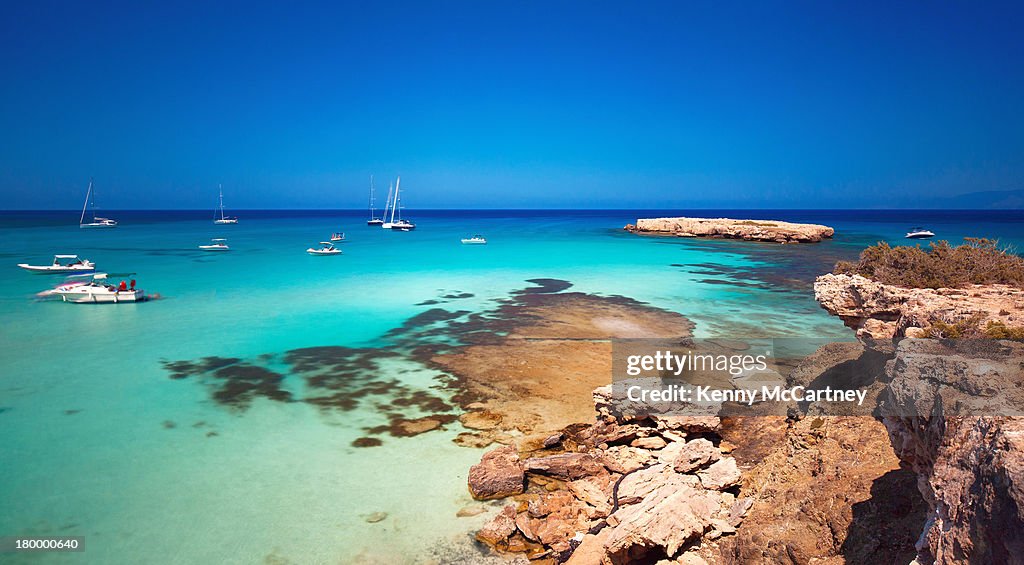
column 97, row 439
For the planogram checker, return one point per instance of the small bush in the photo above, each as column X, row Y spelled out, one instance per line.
column 996, row 329
column 956, row 329
column 979, row 261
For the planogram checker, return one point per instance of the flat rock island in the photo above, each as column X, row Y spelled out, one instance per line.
column 748, row 230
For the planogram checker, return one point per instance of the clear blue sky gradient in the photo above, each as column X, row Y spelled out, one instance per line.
column 510, row 104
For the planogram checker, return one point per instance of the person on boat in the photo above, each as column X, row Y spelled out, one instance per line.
column 133, row 284
column 123, row 286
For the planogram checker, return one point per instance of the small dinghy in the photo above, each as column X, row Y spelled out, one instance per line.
column 475, row 240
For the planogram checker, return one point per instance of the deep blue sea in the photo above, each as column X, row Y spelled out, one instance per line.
column 97, row 440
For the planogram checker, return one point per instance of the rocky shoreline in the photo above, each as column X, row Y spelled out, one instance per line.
column 616, row 491
column 952, row 407
column 915, row 483
column 774, row 231
column 884, row 312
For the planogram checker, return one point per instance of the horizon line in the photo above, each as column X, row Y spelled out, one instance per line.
column 716, row 208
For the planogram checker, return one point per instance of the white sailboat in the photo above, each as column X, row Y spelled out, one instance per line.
column 90, row 204
column 396, row 207
column 374, row 220
column 387, row 205
column 223, row 219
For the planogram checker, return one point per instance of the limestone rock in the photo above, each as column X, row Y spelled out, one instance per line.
column 670, row 517
column 749, row 230
column 954, row 417
column 696, row 454
column 624, row 459
column 652, row 442
column 878, row 311
column 499, row 528
column 635, row 486
column 565, row 466
column 720, row 475
column 499, row 474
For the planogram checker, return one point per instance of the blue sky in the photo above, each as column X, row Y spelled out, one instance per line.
column 510, row 104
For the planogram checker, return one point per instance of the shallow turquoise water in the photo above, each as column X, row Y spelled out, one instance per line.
column 99, row 442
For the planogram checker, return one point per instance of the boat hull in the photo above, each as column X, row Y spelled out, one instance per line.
column 50, row 270
column 113, row 297
column 96, row 226
column 223, row 222
column 374, row 222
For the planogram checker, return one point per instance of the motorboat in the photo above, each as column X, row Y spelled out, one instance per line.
column 216, row 244
column 338, row 236
column 326, row 248
column 90, row 205
column 94, row 289
column 374, row 220
column 67, row 264
column 475, row 240
column 919, row 233
column 223, row 219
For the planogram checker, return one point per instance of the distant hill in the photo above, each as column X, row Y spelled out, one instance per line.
column 989, row 199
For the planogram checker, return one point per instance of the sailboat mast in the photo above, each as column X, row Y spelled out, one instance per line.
column 398, row 183
column 88, row 194
column 388, row 203
column 220, row 188
column 371, row 197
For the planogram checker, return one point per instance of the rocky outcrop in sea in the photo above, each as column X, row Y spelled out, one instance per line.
column 749, row 230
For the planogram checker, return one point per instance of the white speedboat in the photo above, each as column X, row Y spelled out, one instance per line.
column 90, row 204
column 919, row 233
column 67, row 264
column 338, row 236
column 81, row 290
column 325, row 249
column 223, row 219
column 475, row 240
column 216, row 244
